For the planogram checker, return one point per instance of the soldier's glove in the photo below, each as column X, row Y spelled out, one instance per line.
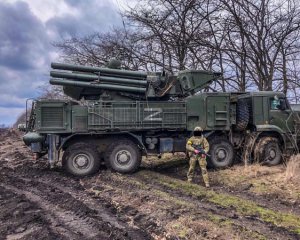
column 196, row 151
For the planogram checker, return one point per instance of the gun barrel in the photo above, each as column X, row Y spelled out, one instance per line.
column 92, row 77
column 64, row 82
column 103, row 71
column 200, row 149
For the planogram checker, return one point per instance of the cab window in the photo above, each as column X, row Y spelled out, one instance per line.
column 278, row 103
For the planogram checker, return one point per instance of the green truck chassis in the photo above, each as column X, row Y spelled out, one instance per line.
column 131, row 115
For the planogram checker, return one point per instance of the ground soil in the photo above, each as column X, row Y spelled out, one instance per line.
column 252, row 202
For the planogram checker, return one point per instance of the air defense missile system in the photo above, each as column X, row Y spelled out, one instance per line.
column 93, row 83
column 117, row 116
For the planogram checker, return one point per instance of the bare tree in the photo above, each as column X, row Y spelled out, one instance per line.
column 176, row 31
column 254, row 43
column 98, row 49
column 258, row 34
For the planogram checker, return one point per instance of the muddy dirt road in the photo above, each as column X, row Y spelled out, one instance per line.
column 154, row 203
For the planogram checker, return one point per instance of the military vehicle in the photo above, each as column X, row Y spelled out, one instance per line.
column 117, row 116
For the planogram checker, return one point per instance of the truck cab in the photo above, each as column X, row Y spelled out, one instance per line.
column 274, row 124
column 270, row 110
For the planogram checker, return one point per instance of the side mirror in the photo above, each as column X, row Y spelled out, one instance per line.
column 282, row 104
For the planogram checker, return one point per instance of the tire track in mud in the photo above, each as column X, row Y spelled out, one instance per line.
column 79, row 196
column 67, row 211
column 170, row 212
column 75, row 222
column 20, row 218
column 56, row 219
column 175, row 212
column 200, row 207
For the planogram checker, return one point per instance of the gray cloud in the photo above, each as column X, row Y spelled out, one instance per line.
column 94, row 16
column 23, row 42
column 16, row 85
column 26, row 50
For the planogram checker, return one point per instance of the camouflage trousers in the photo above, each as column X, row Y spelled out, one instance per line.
column 203, row 164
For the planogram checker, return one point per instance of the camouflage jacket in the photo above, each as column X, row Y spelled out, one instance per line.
column 197, row 141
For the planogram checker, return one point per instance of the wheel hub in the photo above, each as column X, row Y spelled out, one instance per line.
column 123, row 157
column 272, row 153
column 221, row 154
column 81, row 161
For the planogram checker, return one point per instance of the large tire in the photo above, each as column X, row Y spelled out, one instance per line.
column 123, row 156
column 221, row 153
column 81, row 159
column 242, row 115
column 267, row 151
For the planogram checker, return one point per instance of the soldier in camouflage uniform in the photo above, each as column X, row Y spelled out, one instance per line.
column 199, row 140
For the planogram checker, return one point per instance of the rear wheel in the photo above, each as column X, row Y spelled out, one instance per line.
column 81, row 160
column 268, row 152
column 123, row 156
column 221, row 153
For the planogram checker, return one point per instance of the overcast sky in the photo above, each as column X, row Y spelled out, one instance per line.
column 27, row 30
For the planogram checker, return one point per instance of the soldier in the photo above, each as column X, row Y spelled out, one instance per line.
column 199, row 140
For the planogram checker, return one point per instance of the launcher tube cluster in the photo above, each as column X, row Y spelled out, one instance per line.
column 86, row 77
column 102, row 71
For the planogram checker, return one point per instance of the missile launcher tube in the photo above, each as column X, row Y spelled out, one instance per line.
column 90, row 77
column 103, row 71
column 64, row 82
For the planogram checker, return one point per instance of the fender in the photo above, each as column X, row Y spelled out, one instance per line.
column 272, row 128
column 269, row 128
column 137, row 139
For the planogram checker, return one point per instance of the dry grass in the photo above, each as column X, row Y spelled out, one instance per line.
column 238, row 175
column 278, row 181
column 292, row 173
column 256, row 170
column 242, row 206
column 190, row 227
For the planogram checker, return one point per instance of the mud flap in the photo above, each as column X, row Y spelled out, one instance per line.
column 248, row 147
column 53, row 153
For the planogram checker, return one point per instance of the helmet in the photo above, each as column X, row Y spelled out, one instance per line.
column 198, row 129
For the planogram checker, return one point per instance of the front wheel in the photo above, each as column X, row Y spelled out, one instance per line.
column 123, row 156
column 268, row 152
column 81, row 160
column 221, row 153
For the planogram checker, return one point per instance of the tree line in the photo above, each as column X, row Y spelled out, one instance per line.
column 254, row 43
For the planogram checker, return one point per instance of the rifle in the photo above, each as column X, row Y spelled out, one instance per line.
column 201, row 150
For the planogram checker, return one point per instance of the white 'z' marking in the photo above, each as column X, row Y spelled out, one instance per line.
column 155, row 112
